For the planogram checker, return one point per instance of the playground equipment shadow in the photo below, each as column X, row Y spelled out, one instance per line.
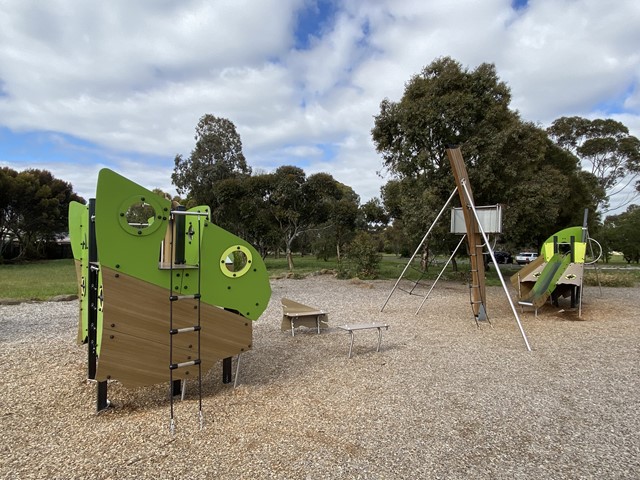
column 442, row 399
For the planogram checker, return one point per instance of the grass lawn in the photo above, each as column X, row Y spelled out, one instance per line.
column 43, row 280
column 38, row 280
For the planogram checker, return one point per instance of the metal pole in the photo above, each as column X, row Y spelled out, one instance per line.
column 495, row 262
column 441, row 272
column 419, row 246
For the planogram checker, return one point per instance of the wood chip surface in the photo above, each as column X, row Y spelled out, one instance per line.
column 443, row 398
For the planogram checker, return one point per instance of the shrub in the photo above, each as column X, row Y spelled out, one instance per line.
column 363, row 256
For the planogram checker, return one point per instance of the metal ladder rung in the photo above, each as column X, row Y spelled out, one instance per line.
column 188, row 213
column 195, row 328
column 190, row 363
column 174, row 298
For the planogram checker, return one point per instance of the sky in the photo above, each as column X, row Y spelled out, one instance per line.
column 122, row 84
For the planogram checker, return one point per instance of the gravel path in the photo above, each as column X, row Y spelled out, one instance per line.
column 442, row 399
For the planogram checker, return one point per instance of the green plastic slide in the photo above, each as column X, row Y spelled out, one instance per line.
column 546, row 283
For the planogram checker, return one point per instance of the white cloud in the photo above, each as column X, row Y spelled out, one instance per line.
column 134, row 77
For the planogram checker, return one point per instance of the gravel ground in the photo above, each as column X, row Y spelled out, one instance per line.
column 442, row 399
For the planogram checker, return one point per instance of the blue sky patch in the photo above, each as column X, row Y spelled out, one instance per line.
column 312, row 21
column 519, row 4
column 615, row 105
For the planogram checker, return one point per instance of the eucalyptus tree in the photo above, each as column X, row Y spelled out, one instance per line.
column 301, row 204
column 340, row 227
column 607, row 150
column 509, row 161
column 216, row 157
column 622, row 233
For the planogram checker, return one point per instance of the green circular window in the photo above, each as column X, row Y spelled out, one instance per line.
column 139, row 216
column 235, row 261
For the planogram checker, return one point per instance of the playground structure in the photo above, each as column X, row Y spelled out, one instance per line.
column 557, row 272
column 477, row 241
column 164, row 292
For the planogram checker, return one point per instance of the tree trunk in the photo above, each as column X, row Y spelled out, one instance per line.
column 290, row 259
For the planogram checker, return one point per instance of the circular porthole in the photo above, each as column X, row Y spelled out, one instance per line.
column 235, row 261
column 139, row 216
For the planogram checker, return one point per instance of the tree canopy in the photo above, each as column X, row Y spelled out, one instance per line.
column 217, row 156
column 272, row 210
column 509, row 161
column 606, row 149
column 34, row 210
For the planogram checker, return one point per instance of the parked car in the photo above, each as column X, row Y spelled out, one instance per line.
column 501, row 257
column 526, row 257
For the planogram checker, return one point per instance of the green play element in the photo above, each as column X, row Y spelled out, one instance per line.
column 547, row 280
column 79, row 238
column 123, row 247
column 134, row 248
column 563, row 252
column 192, row 239
column 564, row 238
column 246, row 290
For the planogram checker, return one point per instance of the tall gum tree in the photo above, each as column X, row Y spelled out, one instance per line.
column 509, row 161
column 607, row 150
column 301, row 204
column 216, row 157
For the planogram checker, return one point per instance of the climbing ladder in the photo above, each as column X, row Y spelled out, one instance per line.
column 177, row 261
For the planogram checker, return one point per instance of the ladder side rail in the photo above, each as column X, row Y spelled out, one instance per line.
column 441, row 272
column 199, row 305
column 172, row 424
column 424, row 239
column 495, row 262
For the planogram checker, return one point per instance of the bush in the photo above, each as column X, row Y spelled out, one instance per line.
column 363, row 257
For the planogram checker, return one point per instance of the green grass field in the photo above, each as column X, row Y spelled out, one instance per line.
column 38, row 280
column 43, row 280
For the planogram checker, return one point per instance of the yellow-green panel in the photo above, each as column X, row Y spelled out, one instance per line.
column 121, row 246
column 79, row 238
column 564, row 236
column 136, row 250
column 248, row 291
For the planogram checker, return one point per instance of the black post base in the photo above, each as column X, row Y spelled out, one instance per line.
column 226, row 370
column 101, row 401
